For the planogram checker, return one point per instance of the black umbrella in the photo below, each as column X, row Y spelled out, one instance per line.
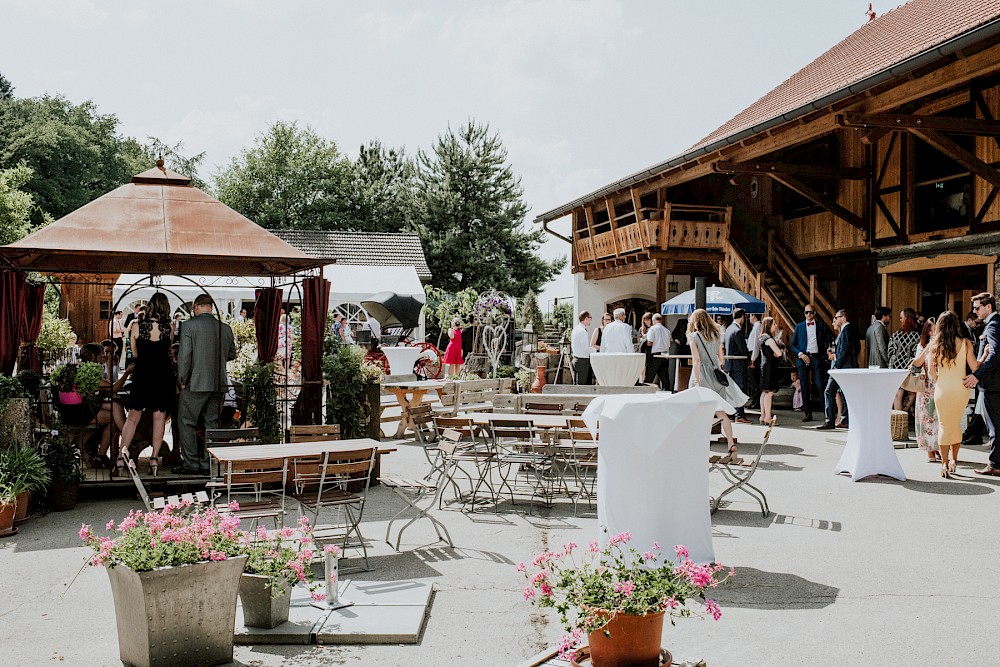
column 395, row 310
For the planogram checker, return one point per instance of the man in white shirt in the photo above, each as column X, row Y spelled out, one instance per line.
column 582, row 350
column 617, row 336
column 659, row 340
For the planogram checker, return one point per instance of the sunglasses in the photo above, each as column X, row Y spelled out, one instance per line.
column 809, row 312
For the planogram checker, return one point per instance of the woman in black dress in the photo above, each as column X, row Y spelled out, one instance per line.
column 770, row 357
column 153, row 384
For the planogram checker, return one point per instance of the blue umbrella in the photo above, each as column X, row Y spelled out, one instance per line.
column 718, row 301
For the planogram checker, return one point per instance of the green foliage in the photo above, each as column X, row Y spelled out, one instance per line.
column 88, row 378
column 345, row 404
column 55, row 335
column 30, row 380
column 528, row 312
column 245, row 336
column 62, row 457
column 382, row 186
column 506, row 371
column 142, row 156
column 6, row 89
column 469, row 212
column 283, row 557
column 442, row 307
column 74, row 152
column 15, row 204
column 262, row 401
column 291, row 178
column 562, row 316
column 22, row 468
column 524, row 378
column 11, row 387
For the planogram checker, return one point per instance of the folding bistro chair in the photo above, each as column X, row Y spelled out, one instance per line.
column 228, row 437
column 259, row 488
column 543, row 408
column 582, row 459
column 412, row 491
column 327, row 488
column 183, row 503
column 313, row 433
column 739, row 472
column 454, row 453
column 519, row 450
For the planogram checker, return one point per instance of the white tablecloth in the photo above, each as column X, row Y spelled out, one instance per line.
column 652, row 465
column 869, row 450
column 617, row 369
column 401, row 359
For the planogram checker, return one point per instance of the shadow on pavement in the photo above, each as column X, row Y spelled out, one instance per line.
column 948, row 487
column 753, row 519
column 756, row 589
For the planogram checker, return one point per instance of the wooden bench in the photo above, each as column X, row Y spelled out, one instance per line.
column 471, row 395
column 596, row 389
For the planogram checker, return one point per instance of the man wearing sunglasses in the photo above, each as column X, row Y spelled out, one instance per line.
column 987, row 378
column 809, row 342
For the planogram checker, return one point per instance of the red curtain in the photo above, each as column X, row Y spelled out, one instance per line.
column 315, row 303
column 266, row 315
column 12, row 296
column 30, row 325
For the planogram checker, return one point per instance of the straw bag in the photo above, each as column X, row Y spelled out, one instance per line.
column 915, row 381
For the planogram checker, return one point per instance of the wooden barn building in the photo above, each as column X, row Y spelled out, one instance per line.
column 870, row 177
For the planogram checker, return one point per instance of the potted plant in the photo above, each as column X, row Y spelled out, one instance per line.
column 23, row 470
column 8, row 505
column 63, row 460
column 54, row 339
column 276, row 561
column 617, row 597
column 174, row 578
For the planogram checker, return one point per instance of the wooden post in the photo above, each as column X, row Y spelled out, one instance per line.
column 614, row 225
column 812, row 288
column 770, row 249
column 665, row 227
column 661, row 283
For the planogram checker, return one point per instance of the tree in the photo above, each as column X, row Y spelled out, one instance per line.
column 469, row 213
column 382, row 184
column 6, row 88
column 74, row 152
column 291, row 178
column 529, row 312
column 15, row 204
column 142, row 156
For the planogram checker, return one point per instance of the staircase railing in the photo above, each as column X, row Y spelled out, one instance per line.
column 737, row 271
column 783, row 264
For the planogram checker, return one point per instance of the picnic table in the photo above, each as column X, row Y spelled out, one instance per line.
column 410, row 394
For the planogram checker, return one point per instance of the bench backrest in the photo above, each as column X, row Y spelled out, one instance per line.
column 595, row 389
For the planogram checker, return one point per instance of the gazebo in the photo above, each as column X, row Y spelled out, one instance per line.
column 159, row 224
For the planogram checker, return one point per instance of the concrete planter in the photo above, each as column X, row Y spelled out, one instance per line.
column 180, row 616
column 15, row 421
column 260, row 610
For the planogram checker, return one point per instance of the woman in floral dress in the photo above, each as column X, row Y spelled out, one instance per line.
column 925, row 413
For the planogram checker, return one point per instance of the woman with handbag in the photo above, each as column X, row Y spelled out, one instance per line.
column 924, row 411
column 902, row 350
column 708, row 356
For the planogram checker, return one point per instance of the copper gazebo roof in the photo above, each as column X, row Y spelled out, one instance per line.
column 159, row 224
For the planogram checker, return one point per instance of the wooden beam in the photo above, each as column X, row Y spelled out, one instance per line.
column 661, row 283
column 799, row 170
column 635, row 203
column 822, row 200
column 614, row 224
column 645, row 266
column 871, row 137
column 959, row 154
column 976, row 126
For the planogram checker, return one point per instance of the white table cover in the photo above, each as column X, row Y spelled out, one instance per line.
column 617, row 369
column 869, row 393
column 401, row 359
column 652, row 463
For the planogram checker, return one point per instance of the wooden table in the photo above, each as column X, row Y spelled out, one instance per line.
column 293, row 450
column 411, row 395
column 538, row 421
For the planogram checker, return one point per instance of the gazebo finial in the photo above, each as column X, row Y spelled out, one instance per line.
column 159, row 161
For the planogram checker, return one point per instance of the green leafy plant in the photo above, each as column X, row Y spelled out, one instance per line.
column 442, row 307
column 7, row 494
column 506, row 371
column 588, row 587
column 62, row 457
column 284, row 556
column 345, row 404
column 30, row 380
column 523, row 378
column 262, row 401
column 55, row 335
column 88, row 378
column 22, row 468
column 11, row 387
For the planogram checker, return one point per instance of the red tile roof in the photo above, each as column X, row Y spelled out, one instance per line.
column 878, row 45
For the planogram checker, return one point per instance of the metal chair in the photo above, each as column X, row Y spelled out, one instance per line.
column 243, row 479
column 543, row 408
column 328, row 489
column 313, row 433
column 412, row 491
column 519, row 450
column 454, row 453
column 228, row 437
column 582, row 458
column 739, row 472
column 184, row 502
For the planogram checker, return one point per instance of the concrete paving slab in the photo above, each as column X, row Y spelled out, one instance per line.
column 373, row 624
column 389, row 593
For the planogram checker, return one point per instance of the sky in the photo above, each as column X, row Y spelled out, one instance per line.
column 582, row 92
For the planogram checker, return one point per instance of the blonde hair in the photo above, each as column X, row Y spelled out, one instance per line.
column 700, row 322
column 767, row 326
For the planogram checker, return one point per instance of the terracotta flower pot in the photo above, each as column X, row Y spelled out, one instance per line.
column 7, row 518
column 21, row 513
column 536, row 386
column 634, row 641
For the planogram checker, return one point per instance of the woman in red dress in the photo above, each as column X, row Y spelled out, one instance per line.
column 453, row 354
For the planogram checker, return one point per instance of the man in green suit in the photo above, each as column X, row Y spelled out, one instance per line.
column 205, row 346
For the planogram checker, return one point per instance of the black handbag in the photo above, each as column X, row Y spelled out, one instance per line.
column 720, row 375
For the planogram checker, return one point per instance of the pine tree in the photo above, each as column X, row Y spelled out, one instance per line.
column 469, row 212
column 382, row 182
column 529, row 312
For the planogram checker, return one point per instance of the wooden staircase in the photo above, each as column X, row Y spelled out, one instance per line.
column 782, row 285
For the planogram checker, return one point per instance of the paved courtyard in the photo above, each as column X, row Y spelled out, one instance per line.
column 877, row 572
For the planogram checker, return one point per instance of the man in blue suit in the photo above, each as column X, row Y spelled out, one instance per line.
column 844, row 355
column 809, row 343
column 736, row 346
column 987, row 378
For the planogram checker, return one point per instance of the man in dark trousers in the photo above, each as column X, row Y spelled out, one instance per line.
column 206, row 344
column 987, row 378
column 843, row 355
column 809, row 343
column 736, row 346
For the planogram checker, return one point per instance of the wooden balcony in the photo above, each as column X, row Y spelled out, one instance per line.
column 676, row 227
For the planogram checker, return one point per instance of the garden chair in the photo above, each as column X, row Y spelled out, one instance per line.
column 313, row 433
column 412, row 492
column 543, row 408
column 455, row 452
column 227, row 437
column 185, row 502
column 258, row 487
column 581, row 459
column 329, row 489
column 519, row 450
column 739, row 472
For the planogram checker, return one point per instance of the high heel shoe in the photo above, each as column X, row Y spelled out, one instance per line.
column 154, row 466
column 951, row 467
column 119, row 466
column 944, row 471
column 730, row 457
